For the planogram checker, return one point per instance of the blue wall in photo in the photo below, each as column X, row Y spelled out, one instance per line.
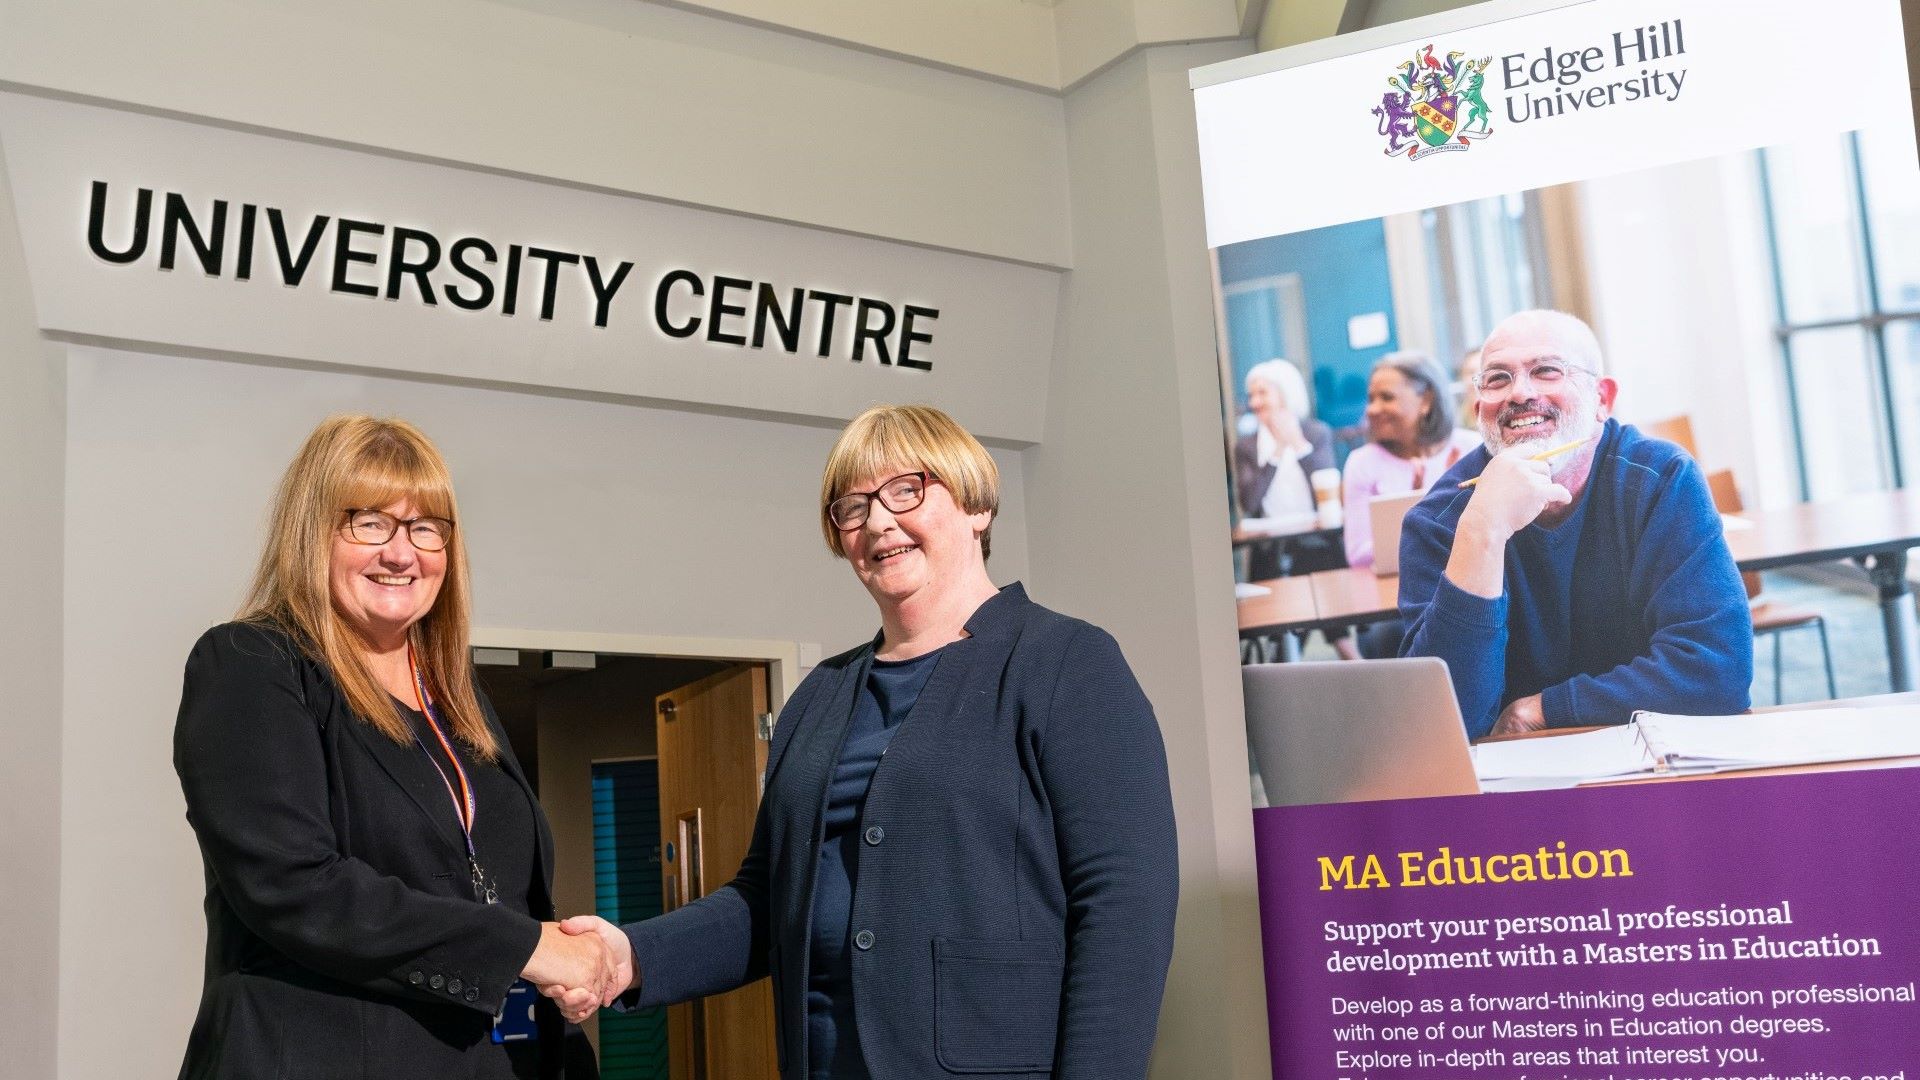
column 1343, row 273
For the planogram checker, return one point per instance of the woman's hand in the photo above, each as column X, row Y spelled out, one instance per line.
column 577, row 963
column 1285, row 429
column 579, row 1001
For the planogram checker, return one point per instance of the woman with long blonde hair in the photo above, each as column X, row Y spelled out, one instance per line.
column 378, row 870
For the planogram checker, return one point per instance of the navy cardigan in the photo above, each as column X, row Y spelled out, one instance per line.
column 1014, row 912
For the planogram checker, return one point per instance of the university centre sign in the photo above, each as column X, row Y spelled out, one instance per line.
column 157, row 231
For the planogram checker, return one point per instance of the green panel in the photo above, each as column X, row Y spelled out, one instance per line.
column 627, row 885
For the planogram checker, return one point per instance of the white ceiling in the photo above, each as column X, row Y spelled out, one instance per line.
column 1042, row 44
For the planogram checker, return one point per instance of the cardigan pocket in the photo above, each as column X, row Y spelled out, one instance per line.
column 996, row 1004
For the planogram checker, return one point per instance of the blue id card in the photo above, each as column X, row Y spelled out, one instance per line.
column 514, row 1022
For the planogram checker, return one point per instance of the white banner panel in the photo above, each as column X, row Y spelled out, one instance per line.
column 159, row 231
column 1572, row 93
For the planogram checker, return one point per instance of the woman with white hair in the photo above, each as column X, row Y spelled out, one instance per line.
column 1272, row 467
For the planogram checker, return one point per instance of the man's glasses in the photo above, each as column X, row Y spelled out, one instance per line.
column 1493, row 383
column 376, row 527
column 898, row 495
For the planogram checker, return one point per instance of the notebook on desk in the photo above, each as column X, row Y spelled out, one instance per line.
column 1657, row 744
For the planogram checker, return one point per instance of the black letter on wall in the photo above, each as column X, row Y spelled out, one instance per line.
column 787, row 326
column 457, row 256
column 554, row 259
column 603, row 290
column 243, row 258
column 692, row 326
column 293, row 269
column 909, row 336
column 401, row 266
column 179, row 218
column 828, row 301
column 97, row 220
column 343, row 254
column 721, row 309
column 862, row 332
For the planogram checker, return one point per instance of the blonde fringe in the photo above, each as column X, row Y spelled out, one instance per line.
column 354, row 462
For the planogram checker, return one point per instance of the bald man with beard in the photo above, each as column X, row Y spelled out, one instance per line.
column 1572, row 591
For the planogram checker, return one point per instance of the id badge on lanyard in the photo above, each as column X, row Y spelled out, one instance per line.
column 515, row 1022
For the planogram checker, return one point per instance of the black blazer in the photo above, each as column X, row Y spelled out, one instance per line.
column 343, row 939
column 1014, row 909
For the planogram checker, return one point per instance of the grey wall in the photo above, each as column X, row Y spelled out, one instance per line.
column 626, row 96
column 32, row 419
column 1128, row 518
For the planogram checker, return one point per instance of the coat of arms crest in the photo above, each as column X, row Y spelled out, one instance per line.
column 1434, row 105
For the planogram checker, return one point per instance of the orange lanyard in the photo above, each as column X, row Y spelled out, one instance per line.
column 463, row 803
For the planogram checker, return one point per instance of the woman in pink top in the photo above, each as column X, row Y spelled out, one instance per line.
column 1412, row 440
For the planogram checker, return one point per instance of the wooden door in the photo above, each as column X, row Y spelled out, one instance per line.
column 711, row 760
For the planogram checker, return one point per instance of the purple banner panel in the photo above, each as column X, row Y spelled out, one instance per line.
column 1759, row 927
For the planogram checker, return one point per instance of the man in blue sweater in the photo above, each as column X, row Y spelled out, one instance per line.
column 1576, row 590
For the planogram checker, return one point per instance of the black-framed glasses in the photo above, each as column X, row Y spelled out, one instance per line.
column 376, row 527
column 898, row 495
column 1492, row 383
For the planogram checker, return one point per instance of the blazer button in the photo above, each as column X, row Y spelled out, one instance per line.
column 863, row 940
column 454, row 986
column 415, row 978
column 473, row 993
column 875, row 834
column 437, row 981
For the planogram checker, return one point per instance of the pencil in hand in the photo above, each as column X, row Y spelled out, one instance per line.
column 1543, row 455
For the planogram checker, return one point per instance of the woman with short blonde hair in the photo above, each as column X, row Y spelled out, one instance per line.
column 917, row 433
column 1003, row 882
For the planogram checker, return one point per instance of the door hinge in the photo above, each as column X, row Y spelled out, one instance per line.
column 763, row 726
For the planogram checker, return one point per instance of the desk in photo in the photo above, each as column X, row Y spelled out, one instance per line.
column 1282, row 543
column 1875, row 529
column 1287, row 607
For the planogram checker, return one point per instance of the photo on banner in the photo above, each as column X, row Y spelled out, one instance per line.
column 1705, row 218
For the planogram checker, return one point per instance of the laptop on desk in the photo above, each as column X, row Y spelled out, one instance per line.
column 1385, row 512
column 1346, row 731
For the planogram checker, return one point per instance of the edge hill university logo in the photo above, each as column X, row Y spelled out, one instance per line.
column 1435, row 105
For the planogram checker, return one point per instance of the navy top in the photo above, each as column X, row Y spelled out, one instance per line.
column 1633, row 602
column 833, row 1041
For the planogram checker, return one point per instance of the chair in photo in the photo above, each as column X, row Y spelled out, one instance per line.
column 1770, row 618
column 1679, row 431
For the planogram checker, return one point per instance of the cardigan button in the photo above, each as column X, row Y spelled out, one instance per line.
column 415, row 978
column 437, row 981
column 473, row 993
column 863, row 940
column 875, row 834
column 454, row 986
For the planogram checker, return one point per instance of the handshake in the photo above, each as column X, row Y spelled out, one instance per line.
column 583, row 963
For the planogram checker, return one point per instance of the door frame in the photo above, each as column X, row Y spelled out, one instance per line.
column 781, row 657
